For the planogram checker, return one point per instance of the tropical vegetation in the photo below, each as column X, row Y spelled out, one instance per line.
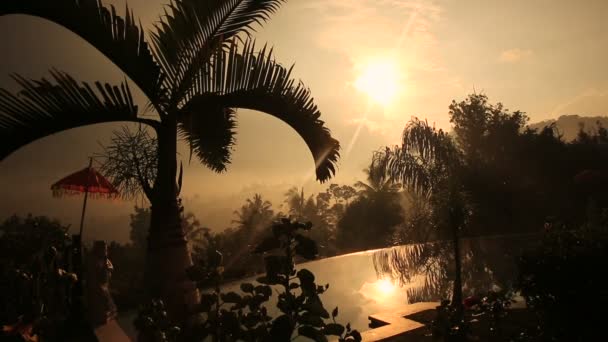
column 196, row 67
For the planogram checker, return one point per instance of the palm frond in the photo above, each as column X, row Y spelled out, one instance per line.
column 430, row 144
column 249, row 80
column 45, row 107
column 120, row 39
column 209, row 132
column 191, row 30
column 130, row 160
column 405, row 168
column 426, row 156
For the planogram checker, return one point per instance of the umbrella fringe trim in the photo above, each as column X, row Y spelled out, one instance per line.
column 58, row 193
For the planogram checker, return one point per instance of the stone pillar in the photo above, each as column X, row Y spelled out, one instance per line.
column 100, row 305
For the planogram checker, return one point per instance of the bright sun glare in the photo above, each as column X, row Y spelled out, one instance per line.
column 385, row 286
column 380, row 81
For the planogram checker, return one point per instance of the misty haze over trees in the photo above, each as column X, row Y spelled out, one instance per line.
column 506, row 177
column 493, row 229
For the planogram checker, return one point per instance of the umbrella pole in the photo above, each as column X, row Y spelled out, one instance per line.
column 77, row 305
column 86, row 195
column 84, row 207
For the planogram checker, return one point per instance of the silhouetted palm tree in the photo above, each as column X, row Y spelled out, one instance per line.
column 377, row 186
column 256, row 214
column 297, row 202
column 196, row 67
column 193, row 231
column 429, row 163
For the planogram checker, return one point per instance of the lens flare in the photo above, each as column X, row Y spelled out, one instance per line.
column 379, row 81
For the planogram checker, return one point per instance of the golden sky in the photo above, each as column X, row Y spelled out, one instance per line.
column 544, row 57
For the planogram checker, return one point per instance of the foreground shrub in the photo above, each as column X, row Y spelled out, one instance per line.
column 564, row 283
column 244, row 316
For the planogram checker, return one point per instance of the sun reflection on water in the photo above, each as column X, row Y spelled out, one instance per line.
column 383, row 292
column 385, row 286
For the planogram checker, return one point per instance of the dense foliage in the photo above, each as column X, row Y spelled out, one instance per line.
column 36, row 298
column 563, row 282
column 244, row 316
column 503, row 180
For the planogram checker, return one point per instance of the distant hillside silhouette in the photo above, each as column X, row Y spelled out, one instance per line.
column 569, row 125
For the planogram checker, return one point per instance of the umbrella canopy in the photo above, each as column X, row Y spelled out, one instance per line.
column 85, row 180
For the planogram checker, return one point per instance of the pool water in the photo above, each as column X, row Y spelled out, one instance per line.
column 353, row 287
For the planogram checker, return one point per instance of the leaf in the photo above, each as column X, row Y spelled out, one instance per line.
column 210, row 133
column 179, row 178
column 307, row 283
column 43, row 107
column 190, row 31
column 311, row 319
column 356, row 335
column 284, row 305
column 316, row 307
column 118, row 37
column 266, row 87
column 306, row 247
column 249, row 320
column 207, row 300
column 334, row 312
column 268, row 281
column 229, row 321
column 231, row 297
column 312, row 333
column 269, row 243
column 276, row 265
column 263, row 290
column 281, row 329
column 333, row 329
column 247, row 287
column 304, row 226
column 257, row 300
column 305, row 276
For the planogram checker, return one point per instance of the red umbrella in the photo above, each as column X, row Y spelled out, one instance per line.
column 87, row 180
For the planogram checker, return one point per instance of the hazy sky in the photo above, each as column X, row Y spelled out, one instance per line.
column 545, row 57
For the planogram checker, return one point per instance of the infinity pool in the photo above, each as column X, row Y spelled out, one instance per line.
column 353, row 287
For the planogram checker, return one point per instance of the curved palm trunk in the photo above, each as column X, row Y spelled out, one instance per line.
column 168, row 255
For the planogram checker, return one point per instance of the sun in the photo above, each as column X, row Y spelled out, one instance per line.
column 385, row 287
column 380, row 81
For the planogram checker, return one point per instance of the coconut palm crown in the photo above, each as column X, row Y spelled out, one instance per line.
column 429, row 164
column 197, row 65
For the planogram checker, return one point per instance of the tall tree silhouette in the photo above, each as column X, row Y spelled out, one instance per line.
column 197, row 66
column 378, row 185
column 314, row 209
column 370, row 219
column 255, row 214
column 297, row 202
column 429, row 163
